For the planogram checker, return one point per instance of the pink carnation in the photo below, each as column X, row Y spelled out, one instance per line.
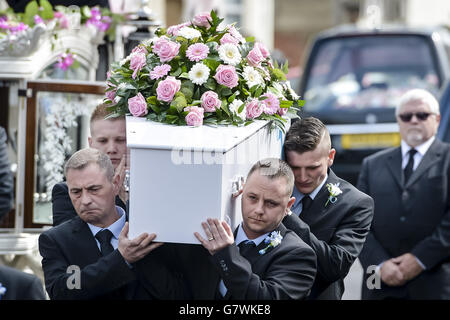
column 160, row 71
column 210, row 101
column 137, row 61
column 202, row 20
column 165, row 49
column 254, row 109
column 228, row 38
column 235, row 34
column 272, row 103
column 197, row 52
column 167, row 88
column 137, row 105
column 226, row 75
column 194, row 117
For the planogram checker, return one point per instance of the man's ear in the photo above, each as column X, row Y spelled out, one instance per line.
column 90, row 142
column 331, row 155
column 290, row 203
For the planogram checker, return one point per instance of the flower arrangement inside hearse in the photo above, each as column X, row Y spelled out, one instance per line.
column 198, row 73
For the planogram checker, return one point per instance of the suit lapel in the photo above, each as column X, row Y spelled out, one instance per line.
column 432, row 156
column 82, row 236
column 318, row 207
column 394, row 165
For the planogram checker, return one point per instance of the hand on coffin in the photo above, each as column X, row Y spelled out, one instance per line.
column 121, row 173
column 219, row 235
column 135, row 249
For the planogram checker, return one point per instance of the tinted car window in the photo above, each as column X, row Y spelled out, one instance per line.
column 365, row 73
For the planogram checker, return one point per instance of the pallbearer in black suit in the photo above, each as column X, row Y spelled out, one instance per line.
column 410, row 236
column 18, row 285
column 329, row 214
column 262, row 260
column 90, row 256
column 108, row 136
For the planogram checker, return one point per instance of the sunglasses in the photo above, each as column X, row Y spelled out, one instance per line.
column 422, row 116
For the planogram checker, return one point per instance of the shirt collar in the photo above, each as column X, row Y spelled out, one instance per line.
column 115, row 228
column 299, row 196
column 241, row 237
column 421, row 149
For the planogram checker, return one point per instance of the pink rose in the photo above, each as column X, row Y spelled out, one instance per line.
column 210, row 101
column 254, row 109
column 202, row 20
column 137, row 105
column 139, row 49
column 272, row 103
column 265, row 53
column 173, row 30
column 160, row 71
column 228, row 38
column 255, row 57
column 197, row 52
column 235, row 34
column 194, row 117
column 282, row 111
column 137, row 61
column 165, row 49
column 226, row 75
column 111, row 94
column 167, row 88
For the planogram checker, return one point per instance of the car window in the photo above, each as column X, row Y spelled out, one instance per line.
column 368, row 72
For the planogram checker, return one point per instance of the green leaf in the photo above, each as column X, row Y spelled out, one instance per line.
column 184, row 75
column 278, row 74
column 187, row 88
column 47, row 12
column 211, row 63
column 231, row 98
column 31, row 10
column 241, row 108
column 286, row 103
column 250, row 39
column 176, row 73
column 179, row 102
column 285, row 68
column 225, row 91
column 224, row 107
column 258, row 91
column 210, row 84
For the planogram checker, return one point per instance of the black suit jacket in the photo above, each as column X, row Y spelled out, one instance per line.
column 336, row 232
column 412, row 218
column 20, row 285
column 108, row 277
column 6, row 178
column 62, row 206
column 284, row 272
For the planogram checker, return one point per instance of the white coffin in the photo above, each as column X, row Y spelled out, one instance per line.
column 180, row 176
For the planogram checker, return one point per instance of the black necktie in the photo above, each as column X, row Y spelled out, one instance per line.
column 245, row 247
column 410, row 164
column 306, row 203
column 104, row 237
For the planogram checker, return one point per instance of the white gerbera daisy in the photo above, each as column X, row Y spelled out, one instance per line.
column 199, row 73
column 234, row 107
column 252, row 76
column 229, row 53
column 189, row 33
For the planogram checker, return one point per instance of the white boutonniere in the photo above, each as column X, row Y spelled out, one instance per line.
column 2, row 290
column 272, row 240
column 334, row 191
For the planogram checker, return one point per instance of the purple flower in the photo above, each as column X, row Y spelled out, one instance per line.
column 18, row 28
column 38, row 19
column 65, row 60
column 160, row 71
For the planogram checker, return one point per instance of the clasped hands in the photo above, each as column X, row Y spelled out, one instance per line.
column 397, row 271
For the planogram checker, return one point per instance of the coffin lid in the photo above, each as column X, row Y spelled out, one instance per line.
column 145, row 134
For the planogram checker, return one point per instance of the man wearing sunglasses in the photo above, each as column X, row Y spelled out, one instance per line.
column 409, row 241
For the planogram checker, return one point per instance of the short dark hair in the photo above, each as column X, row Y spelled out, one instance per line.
column 305, row 135
column 273, row 168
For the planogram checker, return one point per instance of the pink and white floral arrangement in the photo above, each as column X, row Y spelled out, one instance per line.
column 199, row 73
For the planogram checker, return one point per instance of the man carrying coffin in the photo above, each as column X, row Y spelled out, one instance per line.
column 90, row 256
column 262, row 259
